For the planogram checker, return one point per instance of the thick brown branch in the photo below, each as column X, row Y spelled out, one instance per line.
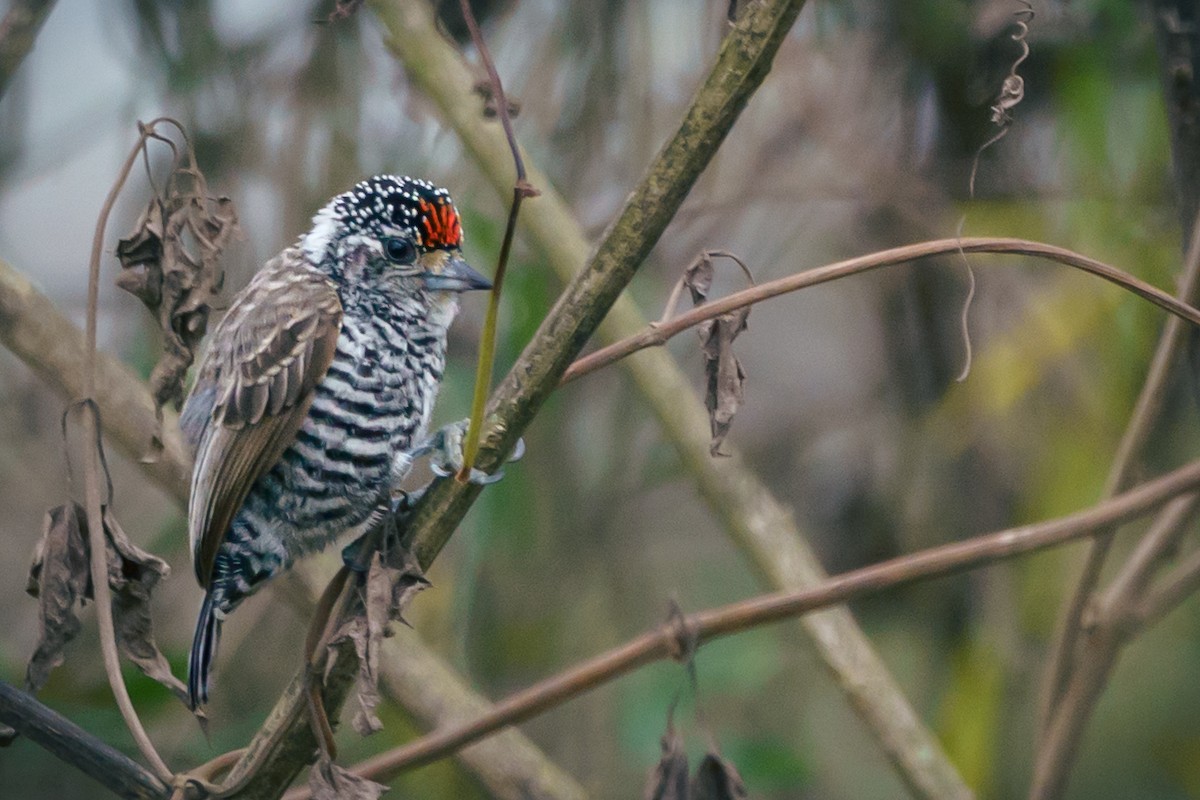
column 33, row 328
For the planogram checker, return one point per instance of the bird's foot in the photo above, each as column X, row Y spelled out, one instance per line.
column 445, row 451
column 392, row 513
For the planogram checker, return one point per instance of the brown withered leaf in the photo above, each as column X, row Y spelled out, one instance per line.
column 133, row 573
column 328, row 781
column 58, row 578
column 391, row 583
column 669, row 778
column 171, row 262
column 698, row 278
column 724, row 374
column 726, row 379
column 717, row 779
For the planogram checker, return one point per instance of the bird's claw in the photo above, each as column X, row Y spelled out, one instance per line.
column 445, row 451
column 403, row 503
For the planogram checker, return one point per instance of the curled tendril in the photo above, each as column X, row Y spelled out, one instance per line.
column 1012, row 92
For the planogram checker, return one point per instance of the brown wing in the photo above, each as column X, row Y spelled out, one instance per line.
column 266, row 356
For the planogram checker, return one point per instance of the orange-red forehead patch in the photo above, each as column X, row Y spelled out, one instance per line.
column 439, row 224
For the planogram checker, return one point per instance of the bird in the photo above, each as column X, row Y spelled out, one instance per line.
column 314, row 393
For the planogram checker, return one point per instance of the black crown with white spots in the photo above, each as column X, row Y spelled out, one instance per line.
column 380, row 205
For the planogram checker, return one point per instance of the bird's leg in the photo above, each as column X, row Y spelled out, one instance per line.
column 390, row 515
column 445, row 451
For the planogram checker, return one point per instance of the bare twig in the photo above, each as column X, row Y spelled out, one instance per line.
column 1178, row 46
column 93, row 501
column 701, row 627
column 1177, row 586
column 1146, row 412
column 660, row 332
column 1112, row 621
column 117, row 772
column 1116, row 604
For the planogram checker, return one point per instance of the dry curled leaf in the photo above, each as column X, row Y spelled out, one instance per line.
column 698, row 278
column 669, row 778
column 726, row 380
column 60, row 577
column 171, row 262
column 391, row 583
column 133, row 573
column 328, row 781
column 717, row 779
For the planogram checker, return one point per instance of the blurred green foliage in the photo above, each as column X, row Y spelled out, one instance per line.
column 864, row 138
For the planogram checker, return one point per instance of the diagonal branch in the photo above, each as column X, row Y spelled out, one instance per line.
column 285, row 744
column 33, row 328
column 62, row 737
column 761, row 526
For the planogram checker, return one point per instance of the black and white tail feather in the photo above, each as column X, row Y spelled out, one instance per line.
column 204, row 653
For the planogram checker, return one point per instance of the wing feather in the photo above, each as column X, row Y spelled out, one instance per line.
column 268, row 354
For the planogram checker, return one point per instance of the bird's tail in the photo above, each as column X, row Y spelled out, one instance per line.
column 204, row 651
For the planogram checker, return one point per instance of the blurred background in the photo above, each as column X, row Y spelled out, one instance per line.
column 861, row 138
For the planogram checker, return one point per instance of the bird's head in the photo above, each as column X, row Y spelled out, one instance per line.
column 396, row 236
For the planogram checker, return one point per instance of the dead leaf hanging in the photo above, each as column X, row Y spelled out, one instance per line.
column 133, row 574
column 60, row 578
column 726, row 380
column 391, row 583
column 717, row 779
column 724, row 375
column 171, row 262
column 669, row 778
column 328, row 781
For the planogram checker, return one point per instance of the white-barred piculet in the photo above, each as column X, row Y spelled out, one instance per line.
column 315, row 391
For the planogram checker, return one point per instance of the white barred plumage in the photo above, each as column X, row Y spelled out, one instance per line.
column 316, row 387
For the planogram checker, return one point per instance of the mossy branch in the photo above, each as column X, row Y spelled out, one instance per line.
column 285, row 744
column 762, row 527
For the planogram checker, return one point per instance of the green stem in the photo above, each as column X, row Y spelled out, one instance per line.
column 487, row 344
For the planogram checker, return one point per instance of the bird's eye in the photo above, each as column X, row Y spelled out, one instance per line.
column 399, row 251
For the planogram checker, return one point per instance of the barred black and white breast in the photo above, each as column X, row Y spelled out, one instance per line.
column 315, row 388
